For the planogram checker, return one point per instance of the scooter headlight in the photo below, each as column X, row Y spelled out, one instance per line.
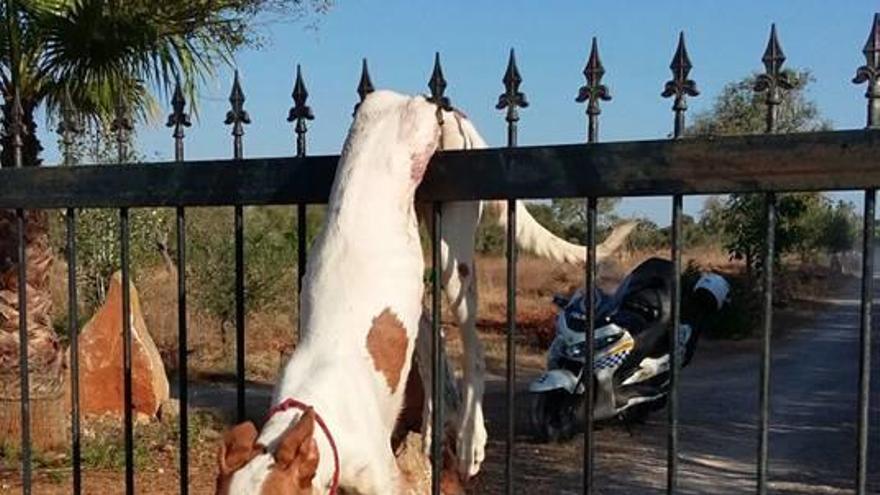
column 576, row 351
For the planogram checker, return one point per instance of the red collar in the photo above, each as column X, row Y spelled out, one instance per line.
column 295, row 404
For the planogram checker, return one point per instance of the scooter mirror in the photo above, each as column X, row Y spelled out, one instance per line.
column 560, row 301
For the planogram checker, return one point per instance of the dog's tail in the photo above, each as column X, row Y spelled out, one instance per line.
column 531, row 236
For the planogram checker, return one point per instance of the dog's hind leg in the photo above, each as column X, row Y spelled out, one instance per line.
column 451, row 396
column 459, row 281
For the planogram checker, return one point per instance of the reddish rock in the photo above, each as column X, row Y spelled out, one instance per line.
column 100, row 347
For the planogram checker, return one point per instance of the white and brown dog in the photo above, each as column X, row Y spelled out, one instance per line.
column 348, row 374
column 340, row 394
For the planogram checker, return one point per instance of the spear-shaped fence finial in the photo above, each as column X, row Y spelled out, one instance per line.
column 365, row 85
column 237, row 116
column 774, row 80
column 870, row 73
column 594, row 91
column 512, row 98
column 178, row 120
column 680, row 86
column 437, row 85
column 300, row 112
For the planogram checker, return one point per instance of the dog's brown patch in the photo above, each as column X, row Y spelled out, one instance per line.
column 463, row 270
column 387, row 345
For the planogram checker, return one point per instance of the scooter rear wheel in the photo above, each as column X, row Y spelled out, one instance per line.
column 554, row 415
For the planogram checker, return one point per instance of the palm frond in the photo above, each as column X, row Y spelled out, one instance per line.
column 95, row 50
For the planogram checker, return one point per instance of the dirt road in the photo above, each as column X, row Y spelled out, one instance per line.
column 813, row 415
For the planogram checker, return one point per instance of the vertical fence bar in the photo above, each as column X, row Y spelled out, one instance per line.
column 591, row 275
column 300, row 113
column 679, row 87
column 437, row 85
column 23, row 350
column 239, row 312
column 436, row 362
column 16, row 129
column 73, row 325
column 674, row 354
column 182, row 352
column 767, row 328
column 773, row 81
column 179, row 119
column 121, row 126
column 301, row 246
column 591, row 93
column 124, row 236
column 511, row 99
column 865, row 341
column 870, row 73
column 68, row 128
column 237, row 117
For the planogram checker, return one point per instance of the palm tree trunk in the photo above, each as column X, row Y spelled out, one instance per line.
column 46, row 358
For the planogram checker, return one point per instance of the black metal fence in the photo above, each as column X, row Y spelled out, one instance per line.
column 767, row 163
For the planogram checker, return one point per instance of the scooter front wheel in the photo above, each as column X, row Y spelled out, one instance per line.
column 554, row 415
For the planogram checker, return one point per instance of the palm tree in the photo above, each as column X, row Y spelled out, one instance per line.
column 88, row 55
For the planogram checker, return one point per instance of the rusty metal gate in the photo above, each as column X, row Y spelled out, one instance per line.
column 768, row 163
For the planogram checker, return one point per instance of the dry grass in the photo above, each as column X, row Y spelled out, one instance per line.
column 103, row 459
column 269, row 338
column 270, row 335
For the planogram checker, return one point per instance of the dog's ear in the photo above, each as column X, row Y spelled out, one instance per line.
column 297, row 454
column 238, row 448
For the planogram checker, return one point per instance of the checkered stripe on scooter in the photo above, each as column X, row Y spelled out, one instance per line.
column 612, row 361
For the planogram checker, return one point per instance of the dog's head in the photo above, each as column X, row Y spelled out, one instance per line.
column 392, row 138
column 287, row 468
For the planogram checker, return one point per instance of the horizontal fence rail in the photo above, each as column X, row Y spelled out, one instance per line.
column 759, row 163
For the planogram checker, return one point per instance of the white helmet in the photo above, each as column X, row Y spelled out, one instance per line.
column 716, row 285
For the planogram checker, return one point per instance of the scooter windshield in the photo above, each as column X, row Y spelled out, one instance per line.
column 576, row 311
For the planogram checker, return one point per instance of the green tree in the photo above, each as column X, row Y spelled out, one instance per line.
column 739, row 110
column 648, row 236
column 712, row 217
column 841, row 228
column 743, row 221
column 270, row 250
column 570, row 214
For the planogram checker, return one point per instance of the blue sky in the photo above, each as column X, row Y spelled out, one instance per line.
column 725, row 40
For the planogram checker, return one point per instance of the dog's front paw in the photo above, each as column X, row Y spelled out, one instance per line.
column 471, row 445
